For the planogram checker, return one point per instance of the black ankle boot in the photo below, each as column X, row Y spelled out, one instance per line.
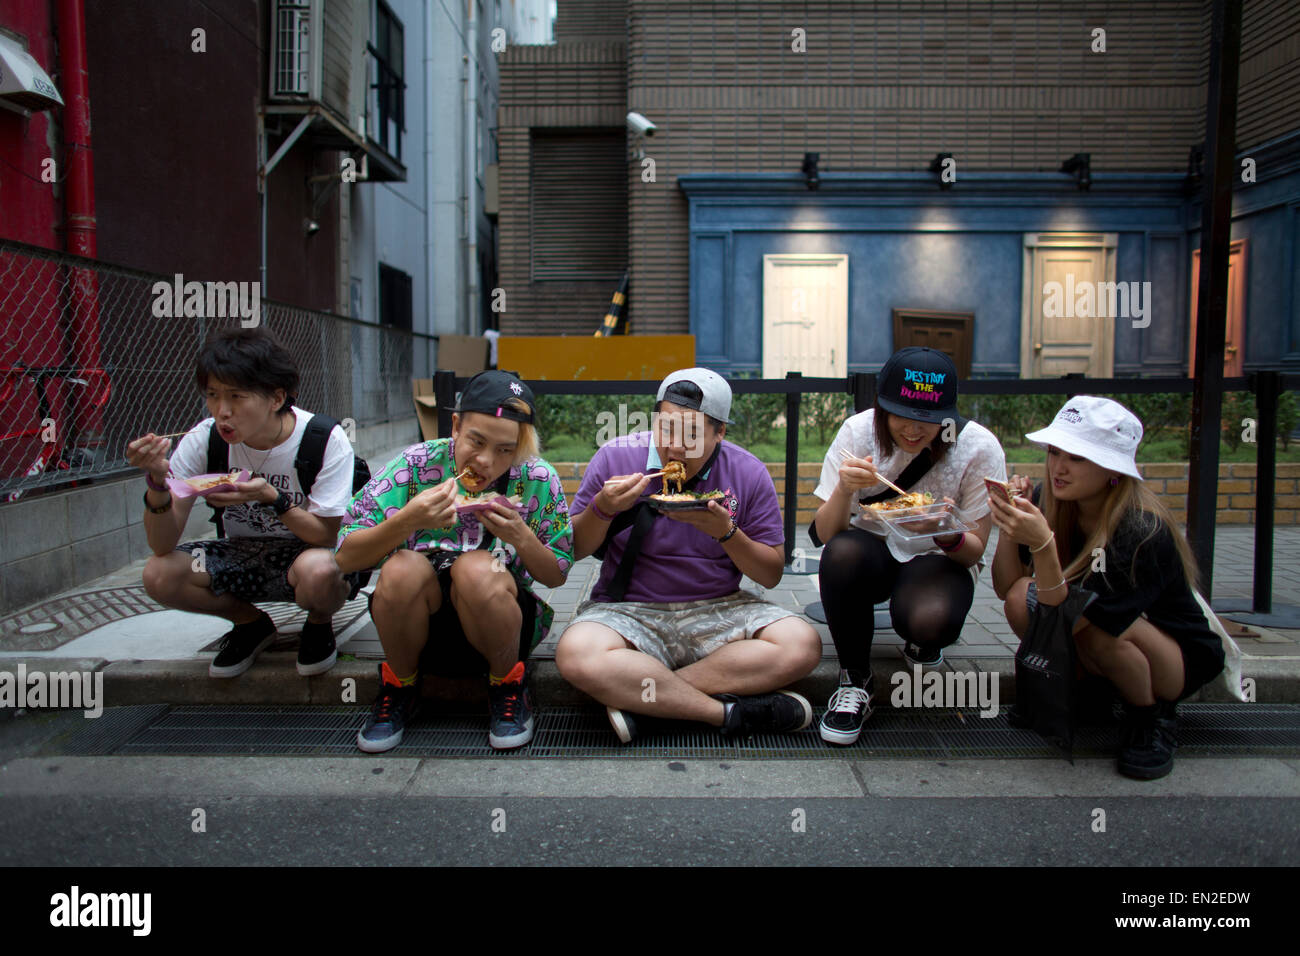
column 1148, row 739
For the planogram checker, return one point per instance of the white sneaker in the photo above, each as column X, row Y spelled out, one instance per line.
column 846, row 712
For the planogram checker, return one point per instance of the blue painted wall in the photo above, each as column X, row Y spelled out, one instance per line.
column 912, row 245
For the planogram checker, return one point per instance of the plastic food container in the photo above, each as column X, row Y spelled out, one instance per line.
column 913, row 524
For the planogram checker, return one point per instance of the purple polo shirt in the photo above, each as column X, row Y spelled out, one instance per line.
column 679, row 562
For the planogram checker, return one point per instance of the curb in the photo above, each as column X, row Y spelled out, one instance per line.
column 274, row 681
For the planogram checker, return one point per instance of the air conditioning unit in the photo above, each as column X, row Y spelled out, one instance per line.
column 296, row 42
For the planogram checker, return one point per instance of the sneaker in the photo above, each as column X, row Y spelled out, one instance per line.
column 848, row 709
column 510, row 709
column 1148, row 740
column 240, row 646
column 316, row 651
column 1016, row 717
column 392, row 709
column 925, row 656
column 623, row 722
column 782, row 712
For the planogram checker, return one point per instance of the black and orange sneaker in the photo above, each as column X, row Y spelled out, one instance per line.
column 394, row 706
column 510, row 709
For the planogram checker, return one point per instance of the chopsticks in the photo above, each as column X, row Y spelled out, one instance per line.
column 615, row 481
column 174, row 434
column 847, row 455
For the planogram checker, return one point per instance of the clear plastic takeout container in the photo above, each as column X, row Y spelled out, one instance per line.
column 921, row 521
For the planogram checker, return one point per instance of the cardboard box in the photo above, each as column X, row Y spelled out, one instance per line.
column 426, row 407
column 465, row 355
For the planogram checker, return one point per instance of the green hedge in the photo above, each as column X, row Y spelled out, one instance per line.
column 579, row 424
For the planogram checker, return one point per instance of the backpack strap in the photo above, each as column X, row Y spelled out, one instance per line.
column 218, row 462
column 311, row 450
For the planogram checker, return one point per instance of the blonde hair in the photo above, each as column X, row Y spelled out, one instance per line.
column 1129, row 499
column 530, row 444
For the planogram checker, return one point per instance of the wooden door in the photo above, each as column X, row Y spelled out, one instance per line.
column 805, row 315
column 1234, row 342
column 1057, row 337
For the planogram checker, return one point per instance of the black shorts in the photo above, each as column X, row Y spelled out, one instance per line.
column 255, row 568
column 448, row 652
column 1200, row 663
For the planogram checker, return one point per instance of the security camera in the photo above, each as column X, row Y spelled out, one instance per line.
column 639, row 125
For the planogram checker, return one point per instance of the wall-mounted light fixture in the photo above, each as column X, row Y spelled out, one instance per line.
column 809, row 170
column 1080, row 165
column 936, row 167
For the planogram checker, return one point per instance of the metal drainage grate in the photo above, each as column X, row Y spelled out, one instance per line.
column 1207, row 729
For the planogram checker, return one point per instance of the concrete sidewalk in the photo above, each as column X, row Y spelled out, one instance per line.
column 151, row 655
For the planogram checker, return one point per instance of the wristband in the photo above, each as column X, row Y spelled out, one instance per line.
column 148, row 480
column 161, row 510
column 734, row 528
column 282, row 503
column 961, row 539
column 600, row 514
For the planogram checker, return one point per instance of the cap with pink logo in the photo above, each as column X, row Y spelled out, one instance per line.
column 1098, row 429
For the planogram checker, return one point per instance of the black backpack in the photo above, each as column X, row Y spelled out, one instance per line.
column 310, row 460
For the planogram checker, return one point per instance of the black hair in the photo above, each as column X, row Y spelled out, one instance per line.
column 885, row 441
column 692, row 393
column 252, row 359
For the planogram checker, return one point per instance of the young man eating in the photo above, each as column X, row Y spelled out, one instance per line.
column 273, row 526
column 455, row 596
column 669, row 632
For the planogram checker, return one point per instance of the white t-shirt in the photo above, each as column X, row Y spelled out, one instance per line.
column 329, row 497
column 977, row 454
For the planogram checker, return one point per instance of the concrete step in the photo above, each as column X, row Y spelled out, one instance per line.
column 274, row 680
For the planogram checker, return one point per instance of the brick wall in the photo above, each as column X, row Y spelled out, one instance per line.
column 1236, row 504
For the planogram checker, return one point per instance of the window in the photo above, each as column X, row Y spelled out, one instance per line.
column 579, row 205
column 394, row 298
column 388, row 82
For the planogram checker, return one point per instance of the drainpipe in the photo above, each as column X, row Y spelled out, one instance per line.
column 79, row 224
column 471, row 174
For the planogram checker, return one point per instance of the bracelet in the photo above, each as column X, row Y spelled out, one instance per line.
column 148, row 480
column 600, row 514
column 162, row 509
column 734, row 528
column 961, row 539
column 1050, row 538
column 1053, row 587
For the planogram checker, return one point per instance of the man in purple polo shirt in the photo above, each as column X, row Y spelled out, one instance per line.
column 669, row 632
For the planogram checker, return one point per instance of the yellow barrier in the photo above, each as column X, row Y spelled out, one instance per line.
column 583, row 357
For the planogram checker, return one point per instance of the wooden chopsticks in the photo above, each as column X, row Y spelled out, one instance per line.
column 847, row 455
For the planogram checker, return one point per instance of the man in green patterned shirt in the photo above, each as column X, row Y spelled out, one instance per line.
column 455, row 593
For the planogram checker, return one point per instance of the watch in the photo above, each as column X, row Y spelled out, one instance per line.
column 282, row 503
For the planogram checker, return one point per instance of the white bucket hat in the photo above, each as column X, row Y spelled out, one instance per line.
column 1098, row 429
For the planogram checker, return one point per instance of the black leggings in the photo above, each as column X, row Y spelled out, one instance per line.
column 929, row 595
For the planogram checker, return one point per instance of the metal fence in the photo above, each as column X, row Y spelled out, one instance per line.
column 86, row 364
column 1267, row 386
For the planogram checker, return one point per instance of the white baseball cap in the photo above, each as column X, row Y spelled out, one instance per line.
column 1098, row 429
column 716, row 400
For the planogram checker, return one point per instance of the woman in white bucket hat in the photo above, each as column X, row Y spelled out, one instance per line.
column 1094, row 524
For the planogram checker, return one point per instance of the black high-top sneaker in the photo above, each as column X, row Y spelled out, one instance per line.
column 848, row 708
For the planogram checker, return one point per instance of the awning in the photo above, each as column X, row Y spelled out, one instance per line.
column 325, row 130
column 22, row 81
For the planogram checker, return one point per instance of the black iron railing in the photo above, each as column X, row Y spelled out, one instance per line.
column 1266, row 385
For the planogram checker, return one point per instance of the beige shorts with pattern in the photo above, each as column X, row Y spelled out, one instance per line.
column 682, row 632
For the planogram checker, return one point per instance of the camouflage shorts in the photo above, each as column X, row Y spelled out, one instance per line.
column 682, row 632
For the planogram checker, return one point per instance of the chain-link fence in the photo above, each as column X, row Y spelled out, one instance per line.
column 87, row 363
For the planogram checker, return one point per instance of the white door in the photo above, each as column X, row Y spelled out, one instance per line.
column 805, row 315
column 1061, row 330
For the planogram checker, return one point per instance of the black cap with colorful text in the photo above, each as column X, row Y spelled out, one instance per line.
column 919, row 383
